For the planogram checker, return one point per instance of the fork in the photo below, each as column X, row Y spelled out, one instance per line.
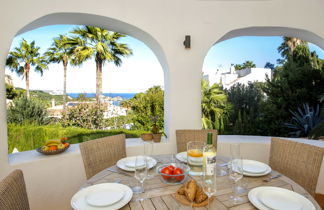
column 272, row 177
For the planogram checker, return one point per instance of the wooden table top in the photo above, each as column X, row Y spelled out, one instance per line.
column 161, row 196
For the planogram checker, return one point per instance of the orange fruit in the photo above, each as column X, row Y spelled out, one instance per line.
column 66, row 144
column 195, row 153
column 52, row 148
column 64, row 138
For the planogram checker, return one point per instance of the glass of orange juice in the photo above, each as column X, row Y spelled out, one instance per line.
column 195, row 156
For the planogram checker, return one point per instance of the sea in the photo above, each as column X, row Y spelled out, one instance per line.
column 124, row 96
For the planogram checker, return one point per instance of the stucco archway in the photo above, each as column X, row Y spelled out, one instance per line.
column 275, row 31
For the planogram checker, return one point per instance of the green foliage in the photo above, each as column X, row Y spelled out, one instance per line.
column 46, row 98
column 11, row 92
column 27, row 111
column 29, row 137
column 304, row 120
column 246, row 64
column 295, row 83
column 269, row 66
column 317, row 131
column 144, row 106
column 214, row 106
column 84, row 115
column 118, row 122
column 246, row 103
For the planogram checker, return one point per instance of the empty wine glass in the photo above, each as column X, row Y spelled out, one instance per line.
column 236, row 171
column 140, row 173
column 148, row 151
column 209, row 185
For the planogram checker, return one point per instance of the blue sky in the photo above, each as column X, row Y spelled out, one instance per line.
column 142, row 70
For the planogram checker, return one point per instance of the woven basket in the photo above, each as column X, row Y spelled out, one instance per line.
column 54, row 152
column 146, row 136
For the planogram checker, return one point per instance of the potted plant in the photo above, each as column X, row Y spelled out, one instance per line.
column 146, row 136
column 156, row 132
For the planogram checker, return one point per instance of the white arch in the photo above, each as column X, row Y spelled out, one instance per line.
column 274, row 31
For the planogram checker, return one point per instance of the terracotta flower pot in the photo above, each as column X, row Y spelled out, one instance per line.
column 146, row 136
column 157, row 137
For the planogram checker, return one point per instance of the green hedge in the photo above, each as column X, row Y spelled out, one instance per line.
column 29, row 137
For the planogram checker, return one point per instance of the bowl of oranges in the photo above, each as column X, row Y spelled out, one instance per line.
column 53, row 147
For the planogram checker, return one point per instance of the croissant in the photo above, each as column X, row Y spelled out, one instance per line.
column 200, row 195
column 190, row 190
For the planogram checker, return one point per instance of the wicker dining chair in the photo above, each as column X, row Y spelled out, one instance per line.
column 102, row 153
column 13, row 195
column 184, row 136
column 298, row 161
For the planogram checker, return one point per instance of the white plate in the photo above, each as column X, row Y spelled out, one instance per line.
column 254, row 197
column 122, row 163
column 104, row 197
column 250, row 162
column 78, row 201
column 254, row 167
column 275, row 199
column 182, row 156
column 131, row 163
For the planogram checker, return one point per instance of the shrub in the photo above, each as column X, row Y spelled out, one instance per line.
column 144, row 106
column 84, row 115
column 27, row 111
column 304, row 120
column 246, row 103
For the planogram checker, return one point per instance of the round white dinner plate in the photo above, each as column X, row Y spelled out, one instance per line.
column 266, row 198
column 182, row 156
column 123, row 163
column 80, row 200
column 131, row 163
column 255, row 166
column 275, row 199
column 98, row 197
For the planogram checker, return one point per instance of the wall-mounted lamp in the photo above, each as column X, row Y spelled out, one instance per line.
column 186, row 42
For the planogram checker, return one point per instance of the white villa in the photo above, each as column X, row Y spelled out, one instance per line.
column 244, row 76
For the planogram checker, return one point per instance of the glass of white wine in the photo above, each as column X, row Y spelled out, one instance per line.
column 209, row 185
column 140, row 173
column 236, row 171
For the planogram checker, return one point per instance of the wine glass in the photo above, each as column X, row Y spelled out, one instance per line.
column 209, row 185
column 236, row 171
column 140, row 173
column 148, row 151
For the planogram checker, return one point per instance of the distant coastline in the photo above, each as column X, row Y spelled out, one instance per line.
column 125, row 96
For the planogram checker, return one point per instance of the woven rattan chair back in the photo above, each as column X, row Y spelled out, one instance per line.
column 13, row 195
column 102, row 153
column 298, row 161
column 184, row 136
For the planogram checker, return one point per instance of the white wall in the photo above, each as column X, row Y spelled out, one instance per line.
column 162, row 25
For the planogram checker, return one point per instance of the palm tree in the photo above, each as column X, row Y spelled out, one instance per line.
column 288, row 45
column 61, row 52
column 103, row 45
column 214, row 106
column 23, row 57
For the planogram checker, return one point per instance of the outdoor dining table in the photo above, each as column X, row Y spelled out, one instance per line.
column 161, row 196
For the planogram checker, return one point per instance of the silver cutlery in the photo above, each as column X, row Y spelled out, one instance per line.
column 119, row 172
column 272, row 177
